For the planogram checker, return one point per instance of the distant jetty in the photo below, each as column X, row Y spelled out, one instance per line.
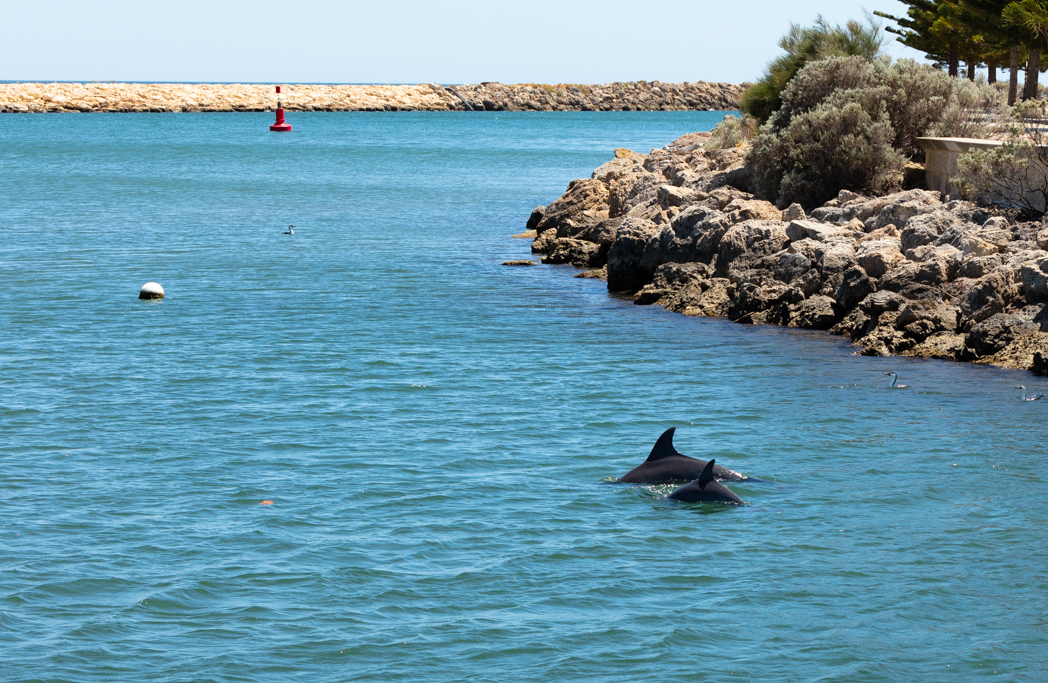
column 178, row 97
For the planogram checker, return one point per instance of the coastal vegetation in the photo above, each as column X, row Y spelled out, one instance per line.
column 990, row 33
column 804, row 45
column 847, row 123
column 818, row 218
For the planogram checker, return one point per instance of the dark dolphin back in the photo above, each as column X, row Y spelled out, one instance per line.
column 706, row 489
column 665, row 465
column 707, row 474
column 663, row 448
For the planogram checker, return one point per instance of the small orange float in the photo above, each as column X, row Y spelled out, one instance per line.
column 266, row 502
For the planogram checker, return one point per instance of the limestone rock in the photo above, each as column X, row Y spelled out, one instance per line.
column 998, row 331
column 576, row 252
column 740, row 209
column 878, row 256
column 1035, row 279
column 816, row 313
column 631, row 263
column 794, row 212
column 1022, row 350
column 536, row 217
column 1042, row 239
column 584, row 204
column 750, row 237
column 990, row 295
column 942, row 345
column 854, row 288
column 802, row 229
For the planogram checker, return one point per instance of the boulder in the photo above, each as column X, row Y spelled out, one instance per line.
column 1042, row 239
column 926, row 229
column 854, row 324
column 881, row 302
column 884, row 339
column 791, row 266
column 720, row 197
column 536, row 217
column 854, row 288
column 1035, row 279
column 973, row 245
column 820, row 232
column 942, row 345
column 932, row 273
column 888, row 232
column 921, row 318
column 990, row 294
column 542, row 243
column 713, row 299
column 747, row 209
column 631, row 261
column 809, row 283
column 899, row 208
column 979, row 266
column 576, row 252
column 604, row 232
column 998, row 331
column 836, row 257
column 748, row 299
column 669, row 196
column 1022, row 351
column 754, row 237
column 632, row 191
column 878, row 256
column 615, row 169
column 816, row 313
column 584, row 204
column 794, row 212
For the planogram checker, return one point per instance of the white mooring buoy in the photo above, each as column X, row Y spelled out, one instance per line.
column 151, row 290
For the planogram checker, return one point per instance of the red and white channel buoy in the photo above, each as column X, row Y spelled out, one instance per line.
column 280, row 126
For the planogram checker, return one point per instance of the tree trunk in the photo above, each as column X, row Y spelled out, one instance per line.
column 991, row 71
column 971, row 69
column 955, row 56
column 1013, row 75
column 1033, row 69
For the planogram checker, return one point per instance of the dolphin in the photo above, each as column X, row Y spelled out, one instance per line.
column 706, row 489
column 666, row 465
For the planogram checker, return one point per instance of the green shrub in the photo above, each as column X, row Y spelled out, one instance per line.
column 837, row 145
column 805, row 153
column 1014, row 174
column 804, row 45
column 972, row 111
column 732, row 132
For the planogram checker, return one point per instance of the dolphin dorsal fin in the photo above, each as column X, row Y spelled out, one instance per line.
column 663, row 448
column 707, row 475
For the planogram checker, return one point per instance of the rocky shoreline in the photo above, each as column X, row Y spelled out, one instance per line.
column 177, row 97
column 905, row 273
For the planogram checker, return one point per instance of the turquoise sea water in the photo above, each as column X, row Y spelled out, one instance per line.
column 437, row 432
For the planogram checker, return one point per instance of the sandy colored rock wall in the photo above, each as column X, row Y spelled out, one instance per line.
column 173, row 97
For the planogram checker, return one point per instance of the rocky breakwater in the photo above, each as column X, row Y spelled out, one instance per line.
column 637, row 96
column 174, row 97
column 903, row 274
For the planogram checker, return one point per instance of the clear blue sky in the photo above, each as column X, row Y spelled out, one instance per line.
column 406, row 41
